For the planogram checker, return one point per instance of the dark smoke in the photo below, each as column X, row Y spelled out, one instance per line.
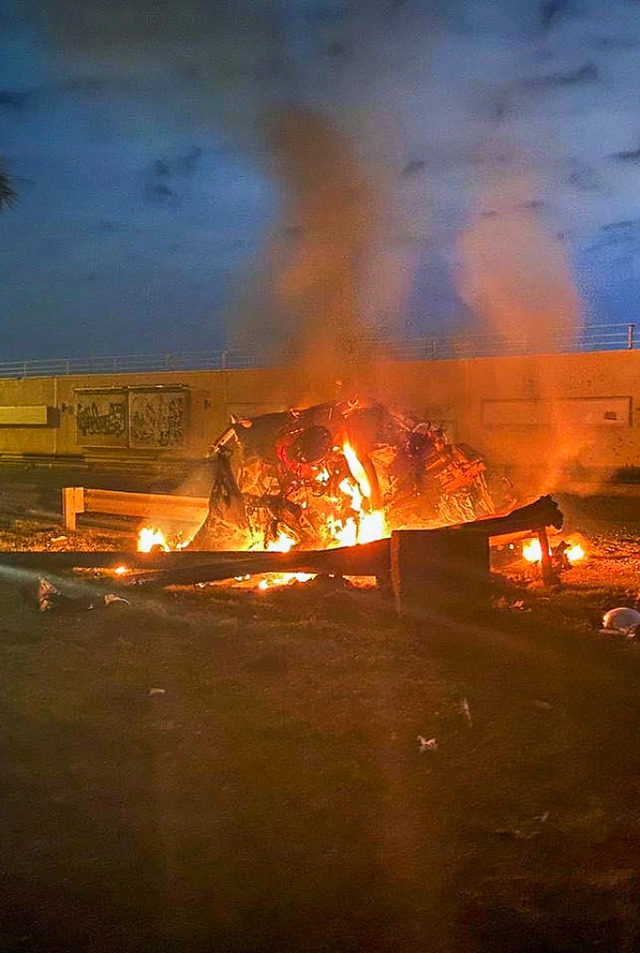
column 318, row 259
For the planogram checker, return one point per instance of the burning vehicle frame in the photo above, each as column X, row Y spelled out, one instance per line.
column 339, row 473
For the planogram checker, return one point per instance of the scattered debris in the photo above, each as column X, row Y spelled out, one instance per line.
column 503, row 603
column 47, row 595
column 50, row 597
column 466, row 711
column 621, row 620
column 528, row 832
column 427, row 744
column 110, row 598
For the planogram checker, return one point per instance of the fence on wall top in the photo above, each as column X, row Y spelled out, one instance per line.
column 594, row 337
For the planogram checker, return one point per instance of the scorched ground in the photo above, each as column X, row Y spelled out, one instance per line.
column 218, row 769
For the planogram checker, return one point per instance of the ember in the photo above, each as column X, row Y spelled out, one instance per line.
column 338, row 474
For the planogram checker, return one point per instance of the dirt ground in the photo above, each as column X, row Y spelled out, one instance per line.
column 213, row 769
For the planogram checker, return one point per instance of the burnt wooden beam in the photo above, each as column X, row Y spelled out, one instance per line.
column 101, row 559
column 542, row 512
column 184, row 567
column 449, row 563
column 369, row 559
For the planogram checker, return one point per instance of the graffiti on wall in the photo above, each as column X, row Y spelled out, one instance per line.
column 157, row 418
column 152, row 418
column 101, row 417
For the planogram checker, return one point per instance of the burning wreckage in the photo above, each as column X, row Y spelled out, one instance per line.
column 338, row 473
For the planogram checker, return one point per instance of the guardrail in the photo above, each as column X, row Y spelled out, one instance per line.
column 156, row 506
column 596, row 337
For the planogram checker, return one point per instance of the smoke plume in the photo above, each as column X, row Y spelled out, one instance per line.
column 514, row 274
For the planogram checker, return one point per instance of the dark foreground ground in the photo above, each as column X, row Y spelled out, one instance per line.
column 221, row 770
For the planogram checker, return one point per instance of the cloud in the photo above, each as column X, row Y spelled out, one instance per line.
column 104, row 104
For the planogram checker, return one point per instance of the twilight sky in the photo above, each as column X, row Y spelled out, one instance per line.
column 496, row 147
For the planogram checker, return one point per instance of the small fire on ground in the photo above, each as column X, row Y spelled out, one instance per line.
column 151, row 538
column 532, row 551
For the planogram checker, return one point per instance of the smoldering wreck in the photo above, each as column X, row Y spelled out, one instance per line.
column 340, row 473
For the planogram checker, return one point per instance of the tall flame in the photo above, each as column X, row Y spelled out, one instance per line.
column 357, row 470
column 368, row 524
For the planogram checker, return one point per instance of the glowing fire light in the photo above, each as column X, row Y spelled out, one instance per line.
column 574, row 553
column 532, row 551
column 120, row 570
column 352, row 490
column 372, row 526
column 150, row 537
column 284, row 579
column 357, row 470
column 368, row 525
column 282, row 544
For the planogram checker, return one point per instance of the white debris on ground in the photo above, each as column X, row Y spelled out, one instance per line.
column 621, row 620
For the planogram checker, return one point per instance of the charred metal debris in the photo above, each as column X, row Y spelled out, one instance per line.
column 307, row 473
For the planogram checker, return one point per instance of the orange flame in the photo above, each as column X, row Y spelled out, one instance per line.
column 283, row 579
column 575, row 553
column 367, row 525
column 282, row 544
column 532, row 551
column 149, row 537
column 357, row 470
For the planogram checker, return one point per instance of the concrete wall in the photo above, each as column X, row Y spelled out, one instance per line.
column 559, row 414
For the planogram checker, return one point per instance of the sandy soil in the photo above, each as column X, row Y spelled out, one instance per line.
column 211, row 769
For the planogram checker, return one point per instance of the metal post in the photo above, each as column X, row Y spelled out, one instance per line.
column 631, row 333
column 225, row 381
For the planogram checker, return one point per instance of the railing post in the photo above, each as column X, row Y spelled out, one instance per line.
column 631, row 333
column 72, row 504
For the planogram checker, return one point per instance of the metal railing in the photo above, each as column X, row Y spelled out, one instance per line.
column 595, row 337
